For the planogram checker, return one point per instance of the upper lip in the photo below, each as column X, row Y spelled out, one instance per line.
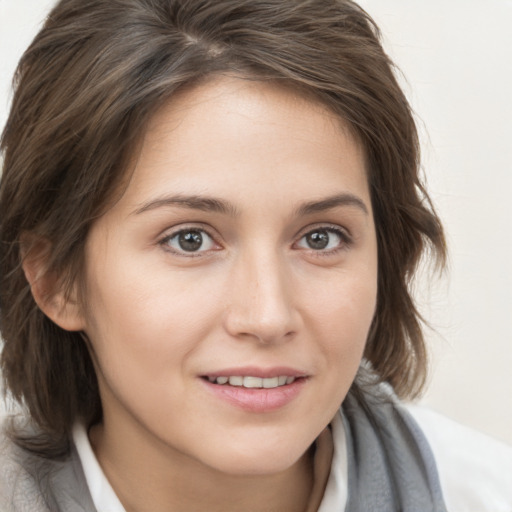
column 254, row 371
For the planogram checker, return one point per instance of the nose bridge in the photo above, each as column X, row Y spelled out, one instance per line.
column 261, row 303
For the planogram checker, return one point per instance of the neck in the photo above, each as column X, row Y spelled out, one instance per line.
column 157, row 479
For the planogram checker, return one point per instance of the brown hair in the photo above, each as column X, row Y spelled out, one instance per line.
column 85, row 90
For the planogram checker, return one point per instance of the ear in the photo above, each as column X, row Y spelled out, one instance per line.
column 46, row 285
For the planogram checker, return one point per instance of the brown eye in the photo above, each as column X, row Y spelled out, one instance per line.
column 189, row 241
column 317, row 240
column 324, row 239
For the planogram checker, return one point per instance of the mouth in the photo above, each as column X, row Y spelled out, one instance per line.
column 252, row 382
column 255, row 390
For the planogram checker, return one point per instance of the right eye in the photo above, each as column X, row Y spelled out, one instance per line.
column 191, row 241
column 325, row 240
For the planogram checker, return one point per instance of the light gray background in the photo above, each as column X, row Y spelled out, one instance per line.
column 456, row 56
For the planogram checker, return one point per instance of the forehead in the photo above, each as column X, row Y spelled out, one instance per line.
column 231, row 135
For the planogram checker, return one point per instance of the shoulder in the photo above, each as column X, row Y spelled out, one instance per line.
column 32, row 482
column 18, row 489
column 475, row 470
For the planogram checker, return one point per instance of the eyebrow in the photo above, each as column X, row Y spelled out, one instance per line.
column 331, row 202
column 211, row 204
column 193, row 202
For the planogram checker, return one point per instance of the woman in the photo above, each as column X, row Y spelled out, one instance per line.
column 210, row 214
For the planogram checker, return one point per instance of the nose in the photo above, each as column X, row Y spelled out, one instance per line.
column 261, row 305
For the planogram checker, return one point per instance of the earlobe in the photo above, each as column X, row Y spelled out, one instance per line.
column 46, row 286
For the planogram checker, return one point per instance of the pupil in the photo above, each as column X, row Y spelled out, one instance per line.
column 318, row 239
column 190, row 240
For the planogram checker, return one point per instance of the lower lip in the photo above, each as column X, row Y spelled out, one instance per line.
column 257, row 399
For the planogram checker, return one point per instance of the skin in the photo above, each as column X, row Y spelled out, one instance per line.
column 159, row 318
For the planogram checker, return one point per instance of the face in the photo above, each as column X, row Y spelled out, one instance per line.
column 231, row 289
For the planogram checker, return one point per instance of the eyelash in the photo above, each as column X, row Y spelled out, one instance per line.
column 345, row 241
column 164, row 242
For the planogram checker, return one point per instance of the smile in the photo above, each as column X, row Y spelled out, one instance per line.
column 256, row 394
column 253, row 382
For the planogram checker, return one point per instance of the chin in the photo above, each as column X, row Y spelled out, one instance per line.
column 256, row 467
column 257, row 460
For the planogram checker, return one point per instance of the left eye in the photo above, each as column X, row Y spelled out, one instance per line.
column 322, row 240
column 190, row 240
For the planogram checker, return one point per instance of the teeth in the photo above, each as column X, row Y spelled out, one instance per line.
column 236, row 381
column 253, row 382
column 270, row 383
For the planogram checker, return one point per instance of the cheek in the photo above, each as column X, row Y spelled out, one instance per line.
column 148, row 316
column 144, row 331
column 344, row 305
column 340, row 316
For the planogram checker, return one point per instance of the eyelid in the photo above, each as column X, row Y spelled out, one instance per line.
column 318, row 226
column 170, row 233
column 345, row 235
column 342, row 232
